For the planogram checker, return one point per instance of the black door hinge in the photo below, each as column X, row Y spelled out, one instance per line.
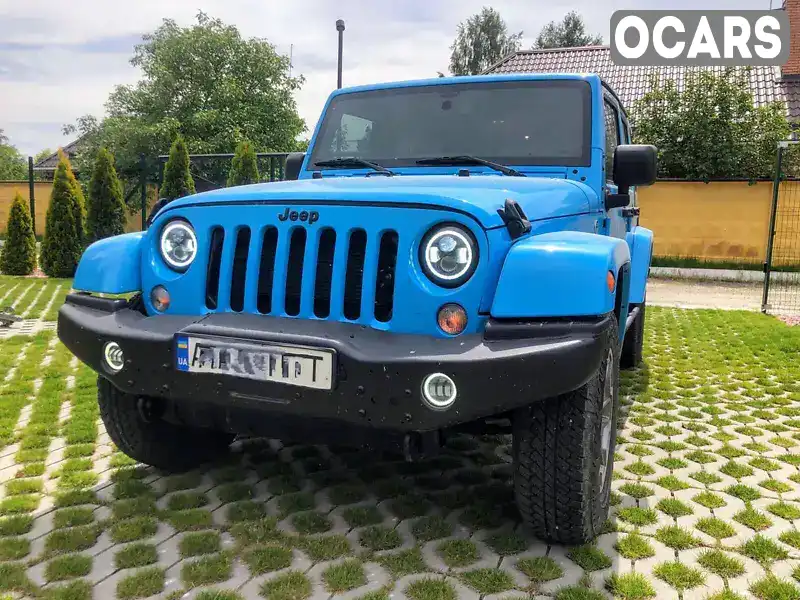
column 515, row 219
column 632, row 211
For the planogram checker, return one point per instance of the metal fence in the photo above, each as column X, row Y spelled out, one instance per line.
column 209, row 171
column 782, row 266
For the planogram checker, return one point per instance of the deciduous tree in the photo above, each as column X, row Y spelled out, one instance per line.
column 711, row 128
column 481, row 41
column 570, row 32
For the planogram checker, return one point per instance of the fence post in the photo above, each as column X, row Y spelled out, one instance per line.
column 143, row 188
column 31, row 193
column 770, row 239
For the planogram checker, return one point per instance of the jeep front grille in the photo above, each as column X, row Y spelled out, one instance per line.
column 300, row 272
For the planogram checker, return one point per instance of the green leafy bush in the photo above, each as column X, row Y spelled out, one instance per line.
column 178, row 180
column 64, row 226
column 106, row 216
column 244, row 169
column 18, row 255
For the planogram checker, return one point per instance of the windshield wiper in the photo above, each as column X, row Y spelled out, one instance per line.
column 467, row 159
column 352, row 161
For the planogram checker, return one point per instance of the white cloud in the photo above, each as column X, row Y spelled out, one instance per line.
column 56, row 65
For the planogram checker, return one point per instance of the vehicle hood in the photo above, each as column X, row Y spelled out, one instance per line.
column 479, row 195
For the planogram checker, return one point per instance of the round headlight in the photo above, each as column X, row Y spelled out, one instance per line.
column 449, row 255
column 178, row 245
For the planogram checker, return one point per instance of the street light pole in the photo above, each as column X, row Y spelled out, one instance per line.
column 340, row 29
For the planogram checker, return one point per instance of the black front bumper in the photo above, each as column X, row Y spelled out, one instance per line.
column 378, row 374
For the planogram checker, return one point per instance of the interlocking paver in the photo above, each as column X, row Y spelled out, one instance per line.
column 708, row 457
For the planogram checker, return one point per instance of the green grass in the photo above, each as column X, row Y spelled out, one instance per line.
column 344, row 576
column 207, row 570
column 14, row 548
column 68, row 566
column 359, row 516
column 430, row 589
column 135, row 555
column 377, row 537
column 676, row 537
column 197, row 543
column 133, row 529
column 773, row 588
column 70, row 517
column 488, row 581
column 589, row 558
column 289, row 586
column 141, row 584
column 722, row 564
column 73, row 539
column 634, row 547
column 716, row 528
column 678, row 575
column 409, row 505
column 404, row 562
column 638, row 516
column 326, row 547
column 190, row 520
column 763, row 550
column 458, row 552
column 263, row 559
column 430, row 528
column 630, row 586
column 540, row 569
column 311, row 522
column 755, row 520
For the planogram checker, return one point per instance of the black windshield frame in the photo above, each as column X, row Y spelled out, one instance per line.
column 581, row 158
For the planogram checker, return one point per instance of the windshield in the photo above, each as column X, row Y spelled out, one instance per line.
column 511, row 122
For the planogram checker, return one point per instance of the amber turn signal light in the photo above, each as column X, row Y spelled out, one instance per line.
column 452, row 319
column 610, row 281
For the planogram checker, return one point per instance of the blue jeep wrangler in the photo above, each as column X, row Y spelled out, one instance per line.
column 460, row 254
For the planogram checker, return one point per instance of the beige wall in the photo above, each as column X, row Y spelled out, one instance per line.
column 721, row 220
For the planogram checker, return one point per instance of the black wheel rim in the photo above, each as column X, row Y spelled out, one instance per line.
column 607, row 421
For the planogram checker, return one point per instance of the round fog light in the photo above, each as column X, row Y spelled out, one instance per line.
column 159, row 296
column 452, row 319
column 439, row 391
column 113, row 356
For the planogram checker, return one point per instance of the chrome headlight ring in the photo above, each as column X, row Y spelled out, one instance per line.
column 178, row 245
column 449, row 255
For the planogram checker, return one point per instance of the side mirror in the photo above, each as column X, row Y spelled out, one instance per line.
column 634, row 164
column 293, row 164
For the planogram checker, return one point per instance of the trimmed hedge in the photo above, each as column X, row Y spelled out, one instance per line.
column 64, row 226
column 244, row 169
column 178, row 180
column 18, row 254
column 107, row 213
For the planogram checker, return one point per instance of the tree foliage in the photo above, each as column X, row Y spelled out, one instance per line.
column 18, row 254
column 244, row 169
column 570, row 32
column 64, row 226
column 13, row 166
column 178, row 180
column 106, row 213
column 711, row 128
column 481, row 41
column 207, row 83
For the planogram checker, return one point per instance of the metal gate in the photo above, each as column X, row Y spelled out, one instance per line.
column 782, row 265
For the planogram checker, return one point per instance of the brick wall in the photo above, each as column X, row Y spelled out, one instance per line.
column 792, row 67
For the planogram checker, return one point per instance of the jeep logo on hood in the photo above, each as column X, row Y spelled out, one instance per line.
column 310, row 216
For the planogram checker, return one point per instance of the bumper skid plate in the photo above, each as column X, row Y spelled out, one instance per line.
column 375, row 377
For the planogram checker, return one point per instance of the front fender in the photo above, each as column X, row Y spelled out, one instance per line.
column 111, row 265
column 559, row 274
column 640, row 240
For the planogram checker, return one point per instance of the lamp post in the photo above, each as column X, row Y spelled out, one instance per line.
column 340, row 29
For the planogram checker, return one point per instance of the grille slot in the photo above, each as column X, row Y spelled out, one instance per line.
column 384, row 282
column 239, row 268
column 354, row 275
column 294, row 271
column 323, row 278
column 337, row 281
column 212, row 272
column 266, row 270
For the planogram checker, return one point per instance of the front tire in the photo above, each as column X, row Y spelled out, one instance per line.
column 156, row 442
column 563, row 456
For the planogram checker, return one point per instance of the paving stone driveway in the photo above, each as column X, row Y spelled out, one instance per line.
column 706, row 499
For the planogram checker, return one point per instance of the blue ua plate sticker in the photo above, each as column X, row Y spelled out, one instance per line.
column 182, row 352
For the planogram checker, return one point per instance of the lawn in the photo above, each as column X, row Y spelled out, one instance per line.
column 707, row 482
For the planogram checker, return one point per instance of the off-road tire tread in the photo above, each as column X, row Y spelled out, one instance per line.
column 631, row 355
column 553, row 449
column 158, row 443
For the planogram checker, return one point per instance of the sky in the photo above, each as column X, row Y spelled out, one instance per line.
column 60, row 61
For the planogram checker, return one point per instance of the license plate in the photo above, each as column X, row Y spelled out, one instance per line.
column 292, row 365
